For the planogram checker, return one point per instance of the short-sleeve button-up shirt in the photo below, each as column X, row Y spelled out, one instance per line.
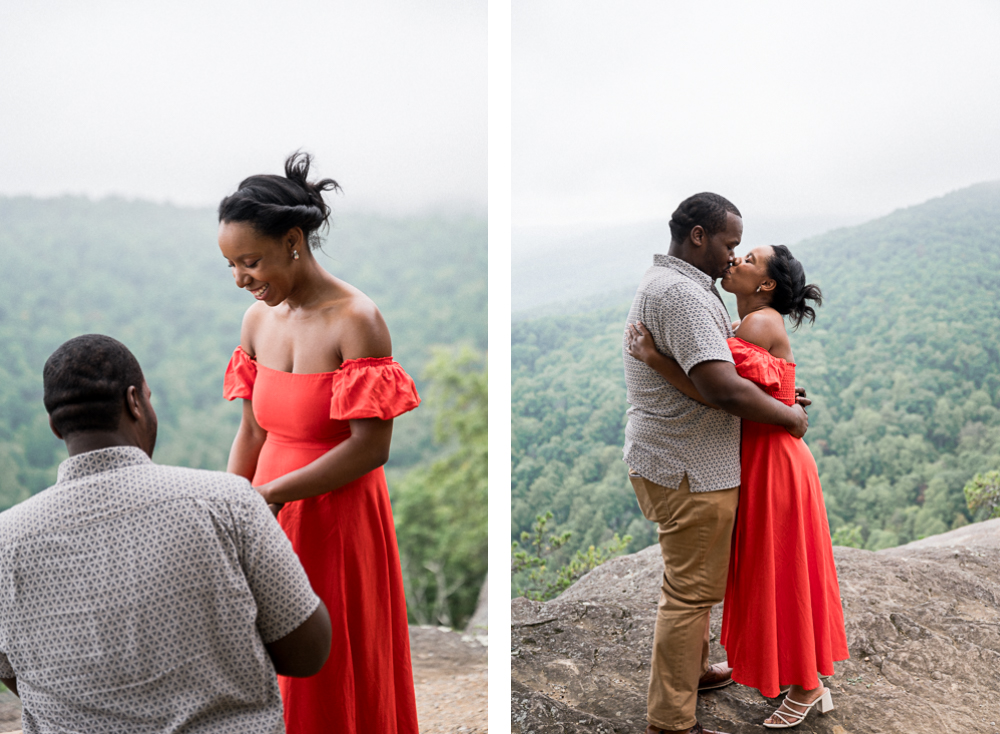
column 668, row 434
column 138, row 598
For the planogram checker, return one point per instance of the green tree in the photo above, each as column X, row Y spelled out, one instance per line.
column 441, row 509
column 849, row 536
column 531, row 576
column 982, row 494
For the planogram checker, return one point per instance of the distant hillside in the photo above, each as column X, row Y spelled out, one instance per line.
column 903, row 365
column 575, row 269
column 152, row 276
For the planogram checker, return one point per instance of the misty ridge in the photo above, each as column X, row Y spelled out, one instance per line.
column 902, row 365
column 576, row 268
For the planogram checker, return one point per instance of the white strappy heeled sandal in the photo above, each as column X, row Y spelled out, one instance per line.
column 790, row 718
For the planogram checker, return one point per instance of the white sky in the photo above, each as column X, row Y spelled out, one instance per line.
column 179, row 101
column 841, row 109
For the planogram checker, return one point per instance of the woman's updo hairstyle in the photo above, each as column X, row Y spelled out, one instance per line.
column 272, row 205
column 791, row 290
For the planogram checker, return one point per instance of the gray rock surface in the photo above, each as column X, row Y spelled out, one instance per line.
column 10, row 712
column 923, row 629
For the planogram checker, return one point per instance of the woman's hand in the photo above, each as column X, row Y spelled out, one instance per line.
column 640, row 342
column 366, row 449
column 274, row 507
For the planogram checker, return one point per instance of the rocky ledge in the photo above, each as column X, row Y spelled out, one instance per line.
column 923, row 629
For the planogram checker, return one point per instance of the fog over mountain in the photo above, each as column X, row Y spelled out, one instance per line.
column 835, row 113
column 178, row 102
column 569, row 269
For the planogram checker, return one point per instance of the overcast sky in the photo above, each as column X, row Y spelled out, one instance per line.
column 835, row 110
column 179, row 101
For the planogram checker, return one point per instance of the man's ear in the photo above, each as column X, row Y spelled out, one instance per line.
column 698, row 235
column 54, row 429
column 132, row 402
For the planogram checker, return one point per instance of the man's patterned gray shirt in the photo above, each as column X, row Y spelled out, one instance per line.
column 138, row 598
column 668, row 434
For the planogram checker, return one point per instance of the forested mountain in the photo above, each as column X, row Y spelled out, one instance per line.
column 577, row 269
column 903, row 365
column 152, row 276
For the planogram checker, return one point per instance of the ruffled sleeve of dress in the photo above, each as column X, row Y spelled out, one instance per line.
column 371, row 387
column 757, row 364
column 240, row 376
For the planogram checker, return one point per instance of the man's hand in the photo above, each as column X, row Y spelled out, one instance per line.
column 800, row 397
column 800, row 423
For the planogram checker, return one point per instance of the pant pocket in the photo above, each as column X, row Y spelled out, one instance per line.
column 650, row 497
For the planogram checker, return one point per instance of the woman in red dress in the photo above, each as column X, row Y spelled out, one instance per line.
column 320, row 390
column 782, row 622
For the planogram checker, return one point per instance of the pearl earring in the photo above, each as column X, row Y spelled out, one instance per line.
column 757, row 291
column 295, row 256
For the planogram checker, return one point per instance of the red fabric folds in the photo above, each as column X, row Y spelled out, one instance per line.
column 345, row 539
column 756, row 364
column 240, row 376
column 782, row 622
column 371, row 387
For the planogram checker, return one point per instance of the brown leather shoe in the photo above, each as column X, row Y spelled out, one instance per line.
column 717, row 676
column 696, row 729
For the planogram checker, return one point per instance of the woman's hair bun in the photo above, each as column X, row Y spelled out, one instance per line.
column 791, row 290
column 274, row 204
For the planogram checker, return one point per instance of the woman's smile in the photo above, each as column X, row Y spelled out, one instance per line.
column 259, row 293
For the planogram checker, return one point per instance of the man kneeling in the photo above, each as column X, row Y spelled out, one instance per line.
column 143, row 598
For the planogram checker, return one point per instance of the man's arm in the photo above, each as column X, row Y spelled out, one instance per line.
column 720, row 385
column 304, row 650
column 292, row 621
column 639, row 345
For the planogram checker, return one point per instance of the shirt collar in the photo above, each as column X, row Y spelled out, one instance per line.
column 687, row 269
column 101, row 460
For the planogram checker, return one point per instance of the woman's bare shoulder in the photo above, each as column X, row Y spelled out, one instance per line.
column 765, row 328
column 363, row 331
column 253, row 317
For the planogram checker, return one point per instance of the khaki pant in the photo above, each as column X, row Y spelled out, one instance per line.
column 695, row 530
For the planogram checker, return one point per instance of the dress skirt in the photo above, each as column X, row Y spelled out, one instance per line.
column 782, row 620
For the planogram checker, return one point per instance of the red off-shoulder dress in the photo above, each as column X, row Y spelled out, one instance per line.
column 782, row 620
column 345, row 540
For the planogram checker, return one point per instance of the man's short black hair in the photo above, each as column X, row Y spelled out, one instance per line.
column 85, row 382
column 707, row 209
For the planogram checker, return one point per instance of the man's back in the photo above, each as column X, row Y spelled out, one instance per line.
column 669, row 435
column 137, row 598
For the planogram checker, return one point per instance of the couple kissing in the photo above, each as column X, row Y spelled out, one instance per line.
column 716, row 420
